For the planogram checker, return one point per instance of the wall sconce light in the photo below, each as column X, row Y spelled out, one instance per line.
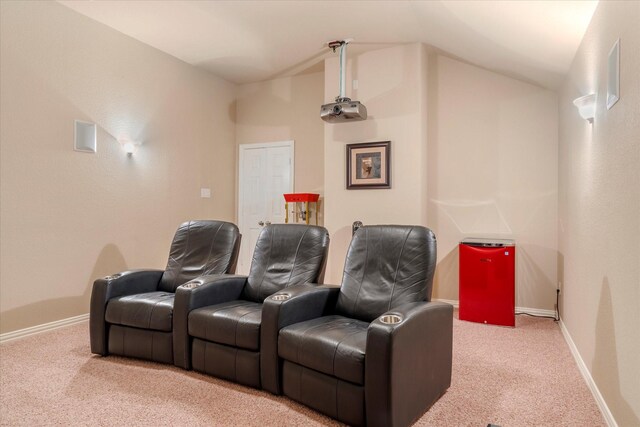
column 586, row 106
column 128, row 146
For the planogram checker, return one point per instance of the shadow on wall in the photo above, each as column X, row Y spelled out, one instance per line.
column 533, row 286
column 335, row 266
column 232, row 111
column 475, row 216
column 109, row 261
column 560, row 276
column 445, row 282
column 605, row 361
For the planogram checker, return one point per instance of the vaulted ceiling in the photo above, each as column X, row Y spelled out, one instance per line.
column 248, row 41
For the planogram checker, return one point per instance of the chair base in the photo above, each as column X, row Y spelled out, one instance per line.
column 229, row 363
column 338, row 399
column 145, row 344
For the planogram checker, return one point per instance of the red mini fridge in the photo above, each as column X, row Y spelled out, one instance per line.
column 487, row 281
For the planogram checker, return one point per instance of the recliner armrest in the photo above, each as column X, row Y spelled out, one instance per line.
column 120, row 284
column 409, row 358
column 200, row 292
column 300, row 303
column 209, row 290
column 128, row 283
column 291, row 305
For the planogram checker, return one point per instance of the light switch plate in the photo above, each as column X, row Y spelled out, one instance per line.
column 205, row 193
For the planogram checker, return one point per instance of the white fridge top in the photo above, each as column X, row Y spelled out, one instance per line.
column 487, row 243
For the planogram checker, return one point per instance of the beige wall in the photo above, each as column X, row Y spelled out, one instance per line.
column 287, row 109
column 473, row 153
column 392, row 85
column 492, row 172
column 69, row 217
column 599, row 207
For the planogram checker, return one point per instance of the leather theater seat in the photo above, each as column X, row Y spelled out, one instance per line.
column 227, row 335
column 333, row 345
column 132, row 313
column 374, row 351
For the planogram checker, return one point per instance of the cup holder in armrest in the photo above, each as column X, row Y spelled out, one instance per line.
column 390, row 319
column 112, row 277
column 280, row 297
column 191, row 285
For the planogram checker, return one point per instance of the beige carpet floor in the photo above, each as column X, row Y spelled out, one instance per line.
column 523, row 376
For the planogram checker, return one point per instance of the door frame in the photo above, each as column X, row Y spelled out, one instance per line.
column 241, row 150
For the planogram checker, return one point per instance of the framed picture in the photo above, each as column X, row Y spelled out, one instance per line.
column 368, row 165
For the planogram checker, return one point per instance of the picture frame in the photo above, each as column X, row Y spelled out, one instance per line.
column 369, row 165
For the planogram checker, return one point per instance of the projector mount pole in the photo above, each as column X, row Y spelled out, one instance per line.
column 342, row 44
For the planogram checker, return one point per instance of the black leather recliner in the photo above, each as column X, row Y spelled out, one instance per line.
column 374, row 351
column 220, row 318
column 131, row 312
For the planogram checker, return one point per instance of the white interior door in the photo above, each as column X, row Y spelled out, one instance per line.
column 265, row 174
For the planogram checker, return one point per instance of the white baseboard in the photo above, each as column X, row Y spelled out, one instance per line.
column 534, row 311
column 582, row 367
column 10, row 336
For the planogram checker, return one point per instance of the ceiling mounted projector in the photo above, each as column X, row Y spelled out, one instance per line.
column 344, row 109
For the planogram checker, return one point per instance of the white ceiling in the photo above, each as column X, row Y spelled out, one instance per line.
column 248, row 41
